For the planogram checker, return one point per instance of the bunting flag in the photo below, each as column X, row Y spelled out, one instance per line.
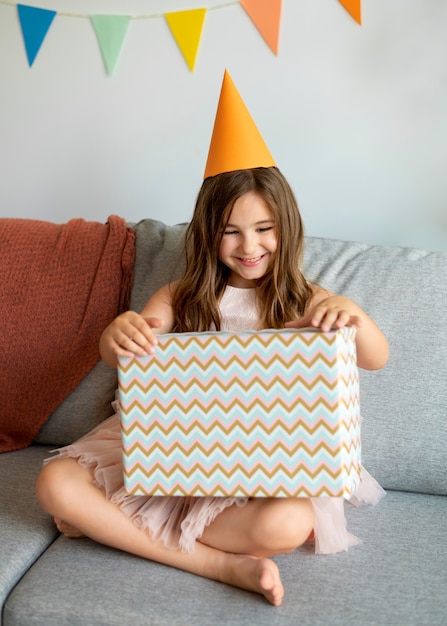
column 110, row 31
column 353, row 7
column 34, row 23
column 186, row 28
column 265, row 15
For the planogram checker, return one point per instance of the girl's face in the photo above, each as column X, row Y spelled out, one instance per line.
column 249, row 241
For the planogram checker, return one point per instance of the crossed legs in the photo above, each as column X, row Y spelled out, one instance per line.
column 234, row 549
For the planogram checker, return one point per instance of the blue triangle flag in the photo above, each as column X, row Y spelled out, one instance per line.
column 35, row 23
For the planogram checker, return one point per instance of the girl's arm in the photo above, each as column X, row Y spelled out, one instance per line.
column 134, row 333
column 327, row 311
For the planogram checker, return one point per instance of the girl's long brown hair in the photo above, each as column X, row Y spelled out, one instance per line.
column 282, row 293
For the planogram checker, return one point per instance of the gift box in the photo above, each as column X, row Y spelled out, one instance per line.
column 271, row 413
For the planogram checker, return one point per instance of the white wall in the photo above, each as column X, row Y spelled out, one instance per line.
column 356, row 117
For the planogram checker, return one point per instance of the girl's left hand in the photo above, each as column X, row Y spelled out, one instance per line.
column 333, row 311
column 326, row 315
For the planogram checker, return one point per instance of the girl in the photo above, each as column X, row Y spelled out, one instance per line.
column 243, row 251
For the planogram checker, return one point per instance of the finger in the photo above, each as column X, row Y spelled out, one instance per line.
column 339, row 319
column 128, row 342
column 140, row 333
column 345, row 319
column 294, row 324
column 356, row 321
column 327, row 323
column 336, row 319
column 120, row 351
column 154, row 322
column 140, row 343
column 319, row 317
column 324, row 318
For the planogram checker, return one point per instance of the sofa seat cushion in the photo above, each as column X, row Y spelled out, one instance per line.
column 25, row 530
column 397, row 576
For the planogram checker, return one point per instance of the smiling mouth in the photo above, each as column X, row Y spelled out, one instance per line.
column 252, row 260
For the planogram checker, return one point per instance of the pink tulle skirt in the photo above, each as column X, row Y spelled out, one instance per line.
column 179, row 521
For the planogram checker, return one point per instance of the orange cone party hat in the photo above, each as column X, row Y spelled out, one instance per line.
column 236, row 143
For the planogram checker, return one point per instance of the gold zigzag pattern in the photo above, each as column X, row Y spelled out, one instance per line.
column 238, row 468
column 240, row 491
column 216, row 403
column 247, row 429
column 198, row 384
column 259, row 492
column 235, row 360
column 244, row 340
column 197, row 446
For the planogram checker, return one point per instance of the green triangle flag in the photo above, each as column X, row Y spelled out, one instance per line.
column 111, row 31
column 35, row 23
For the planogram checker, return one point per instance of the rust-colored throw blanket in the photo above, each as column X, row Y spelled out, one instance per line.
column 61, row 285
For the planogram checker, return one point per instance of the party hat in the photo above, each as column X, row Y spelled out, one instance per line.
column 236, row 143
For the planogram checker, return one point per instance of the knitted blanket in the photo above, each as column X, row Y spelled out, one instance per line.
column 61, row 285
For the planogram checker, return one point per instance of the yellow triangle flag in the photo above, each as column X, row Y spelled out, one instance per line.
column 353, row 7
column 186, row 27
column 265, row 15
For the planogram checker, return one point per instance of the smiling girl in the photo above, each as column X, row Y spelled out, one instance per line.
column 243, row 257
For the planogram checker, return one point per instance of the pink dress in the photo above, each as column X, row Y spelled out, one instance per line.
column 179, row 521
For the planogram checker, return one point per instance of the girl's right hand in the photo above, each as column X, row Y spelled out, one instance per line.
column 128, row 335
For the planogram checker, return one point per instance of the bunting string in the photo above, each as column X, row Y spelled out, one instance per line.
column 186, row 26
column 148, row 16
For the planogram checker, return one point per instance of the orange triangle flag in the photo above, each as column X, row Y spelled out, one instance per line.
column 236, row 143
column 353, row 7
column 186, row 27
column 265, row 15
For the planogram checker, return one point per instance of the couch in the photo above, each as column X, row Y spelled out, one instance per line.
column 397, row 575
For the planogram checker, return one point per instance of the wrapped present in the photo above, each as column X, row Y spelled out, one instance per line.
column 271, row 413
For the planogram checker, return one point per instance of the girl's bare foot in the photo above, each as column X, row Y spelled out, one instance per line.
column 270, row 581
column 67, row 529
column 256, row 574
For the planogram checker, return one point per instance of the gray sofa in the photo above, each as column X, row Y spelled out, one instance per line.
column 398, row 575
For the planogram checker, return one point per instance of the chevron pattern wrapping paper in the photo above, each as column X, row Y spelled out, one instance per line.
column 258, row 413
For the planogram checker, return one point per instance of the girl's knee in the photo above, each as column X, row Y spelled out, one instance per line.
column 284, row 524
column 46, row 484
column 52, row 484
